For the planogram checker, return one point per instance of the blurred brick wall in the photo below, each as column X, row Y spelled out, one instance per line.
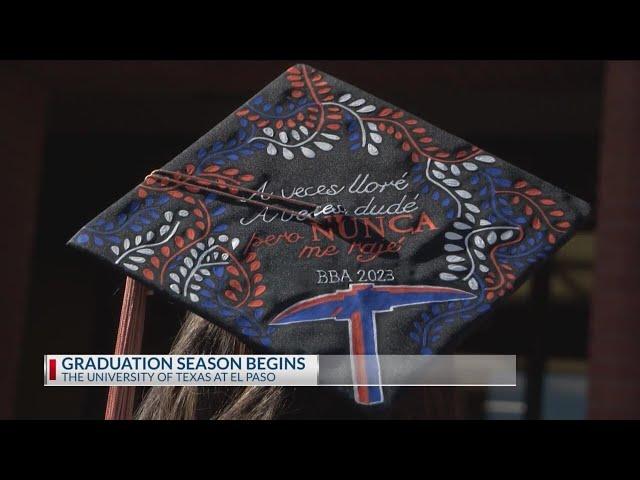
column 614, row 365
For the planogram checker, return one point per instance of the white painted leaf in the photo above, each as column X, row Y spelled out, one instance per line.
column 193, row 297
column 472, row 208
column 183, row 213
column 483, row 268
column 461, row 226
column 371, row 148
column 344, row 98
column 450, row 247
column 115, row 249
column 175, row 288
column 472, row 167
column 455, row 170
column 491, row 238
column 452, row 236
column 234, row 243
column 479, row 254
column 479, row 241
column 126, row 243
column 304, row 130
column 506, row 235
column 168, row 216
column 223, row 238
column 357, row 103
column 441, row 166
column 452, row 182
column 164, row 229
column 145, row 251
column 372, row 126
column 457, row 268
column 174, row 276
column 188, row 262
column 130, row 266
column 470, row 217
column 455, row 258
column 376, row 137
column 485, row 158
column 473, row 284
column 366, row 109
column 484, row 223
column 271, row 150
column 447, row 277
column 307, row 152
column 330, row 136
column 150, row 235
column 323, row 146
column 183, row 271
column 438, row 175
column 463, row 194
column 295, row 134
column 287, row 154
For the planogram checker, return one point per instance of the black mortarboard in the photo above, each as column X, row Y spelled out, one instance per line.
column 315, row 202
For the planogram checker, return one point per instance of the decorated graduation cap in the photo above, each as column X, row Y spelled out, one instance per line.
column 319, row 219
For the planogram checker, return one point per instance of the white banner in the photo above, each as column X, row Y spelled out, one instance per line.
column 153, row 370
column 284, row 370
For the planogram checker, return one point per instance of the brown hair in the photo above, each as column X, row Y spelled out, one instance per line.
column 199, row 337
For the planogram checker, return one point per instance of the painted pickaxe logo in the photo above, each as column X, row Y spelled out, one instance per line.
column 358, row 305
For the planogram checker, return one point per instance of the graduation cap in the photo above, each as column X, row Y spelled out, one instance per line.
column 319, row 219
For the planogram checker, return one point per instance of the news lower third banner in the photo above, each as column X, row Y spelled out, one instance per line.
column 283, row 370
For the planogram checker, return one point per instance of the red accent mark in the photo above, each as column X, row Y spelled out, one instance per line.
column 52, row 369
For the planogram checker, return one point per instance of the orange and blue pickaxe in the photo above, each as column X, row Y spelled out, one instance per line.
column 358, row 305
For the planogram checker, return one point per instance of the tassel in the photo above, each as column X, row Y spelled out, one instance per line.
column 129, row 342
